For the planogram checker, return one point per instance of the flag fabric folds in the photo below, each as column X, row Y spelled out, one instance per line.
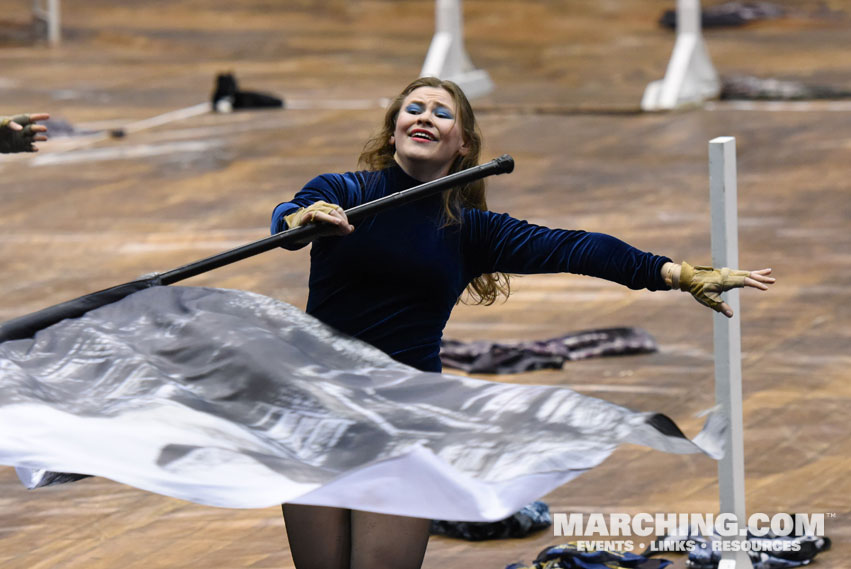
column 233, row 399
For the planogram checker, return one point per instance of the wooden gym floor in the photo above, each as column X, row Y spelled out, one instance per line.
column 87, row 213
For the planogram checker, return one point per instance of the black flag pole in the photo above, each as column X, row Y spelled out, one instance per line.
column 26, row 326
column 502, row 165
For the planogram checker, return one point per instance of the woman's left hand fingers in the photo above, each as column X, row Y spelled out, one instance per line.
column 759, row 279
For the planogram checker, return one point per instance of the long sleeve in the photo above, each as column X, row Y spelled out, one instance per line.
column 501, row 243
column 340, row 189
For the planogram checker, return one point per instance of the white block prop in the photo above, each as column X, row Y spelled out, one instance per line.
column 690, row 77
column 727, row 337
column 447, row 58
column 48, row 12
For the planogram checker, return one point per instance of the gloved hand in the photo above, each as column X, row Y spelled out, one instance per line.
column 324, row 212
column 308, row 214
column 706, row 283
column 17, row 134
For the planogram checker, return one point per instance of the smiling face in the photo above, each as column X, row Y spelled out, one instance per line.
column 428, row 136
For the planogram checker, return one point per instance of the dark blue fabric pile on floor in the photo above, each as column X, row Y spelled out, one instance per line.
column 518, row 357
column 567, row 556
column 532, row 518
column 768, row 552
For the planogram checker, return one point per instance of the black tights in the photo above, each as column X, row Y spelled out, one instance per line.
column 333, row 538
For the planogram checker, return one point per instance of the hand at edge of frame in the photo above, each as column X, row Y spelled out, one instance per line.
column 25, row 141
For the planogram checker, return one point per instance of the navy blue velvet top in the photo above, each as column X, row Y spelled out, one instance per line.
column 394, row 280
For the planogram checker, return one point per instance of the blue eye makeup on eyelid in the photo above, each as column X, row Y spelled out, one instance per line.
column 440, row 112
column 443, row 113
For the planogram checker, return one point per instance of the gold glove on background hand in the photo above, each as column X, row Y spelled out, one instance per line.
column 706, row 283
column 307, row 214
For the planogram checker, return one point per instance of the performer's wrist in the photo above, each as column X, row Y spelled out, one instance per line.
column 671, row 274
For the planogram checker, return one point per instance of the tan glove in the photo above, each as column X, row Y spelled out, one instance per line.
column 16, row 140
column 706, row 283
column 305, row 214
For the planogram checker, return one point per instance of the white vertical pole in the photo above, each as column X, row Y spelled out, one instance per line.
column 728, row 342
column 54, row 22
column 688, row 16
column 49, row 12
column 447, row 58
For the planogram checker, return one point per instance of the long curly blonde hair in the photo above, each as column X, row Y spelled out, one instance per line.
column 378, row 154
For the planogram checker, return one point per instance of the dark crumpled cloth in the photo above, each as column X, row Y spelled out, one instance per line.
column 729, row 14
column 800, row 551
column 517, row 357
column 567, row 556
column 748, row 88
column 531, row 518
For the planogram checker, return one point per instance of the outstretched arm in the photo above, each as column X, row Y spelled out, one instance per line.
column 706, row 283
column 20, row 133
column 500, row 243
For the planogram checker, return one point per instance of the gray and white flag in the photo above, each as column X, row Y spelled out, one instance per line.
column 233, row 399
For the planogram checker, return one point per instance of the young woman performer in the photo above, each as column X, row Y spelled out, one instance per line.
column 393, row 281
column 18, row 134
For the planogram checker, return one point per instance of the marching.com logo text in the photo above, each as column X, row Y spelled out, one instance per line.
column 734, row 535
